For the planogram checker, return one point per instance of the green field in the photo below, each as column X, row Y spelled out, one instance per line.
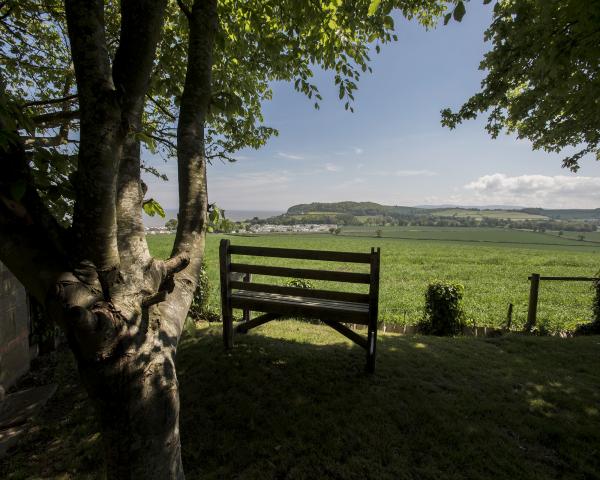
column 493, row 265
column 479, row 214
column 496, row 236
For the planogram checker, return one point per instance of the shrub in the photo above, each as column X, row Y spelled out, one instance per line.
column 444, row 313
column 300, row 283
column 200, row 309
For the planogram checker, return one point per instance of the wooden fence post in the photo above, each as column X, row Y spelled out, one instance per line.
column 509, row 316
column 533, row 301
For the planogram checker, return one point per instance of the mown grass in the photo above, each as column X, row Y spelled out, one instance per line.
column 291, row 401
column 493, row 271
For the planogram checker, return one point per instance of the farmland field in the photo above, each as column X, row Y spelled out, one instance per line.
column 492, row 264
column 479, row 214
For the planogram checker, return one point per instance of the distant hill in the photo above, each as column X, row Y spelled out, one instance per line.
column 361, row 209
column 353, row 208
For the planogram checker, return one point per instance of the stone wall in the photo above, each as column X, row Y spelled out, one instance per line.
column 14, row 329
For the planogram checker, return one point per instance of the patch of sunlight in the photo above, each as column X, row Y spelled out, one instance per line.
column 93, row 438
column 541, row 404
column 279, row 362
column 556, row 384
column 591, row 411
column 419, row 345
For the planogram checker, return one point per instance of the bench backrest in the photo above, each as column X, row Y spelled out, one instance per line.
column 371, row 278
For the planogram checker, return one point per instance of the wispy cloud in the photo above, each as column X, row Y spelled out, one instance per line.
column 354, row 182
column 332, row 167
column 252, row 181
column 358, row 151
column 290, row 156
column 415, row 173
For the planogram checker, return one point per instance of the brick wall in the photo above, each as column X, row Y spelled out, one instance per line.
column 14, row 329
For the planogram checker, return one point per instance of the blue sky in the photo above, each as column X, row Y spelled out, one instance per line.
column 392, row 149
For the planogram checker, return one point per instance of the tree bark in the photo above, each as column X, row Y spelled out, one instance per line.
column 136, row 398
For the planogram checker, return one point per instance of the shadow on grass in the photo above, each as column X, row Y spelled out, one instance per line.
column 291, row 401
column 277, row 407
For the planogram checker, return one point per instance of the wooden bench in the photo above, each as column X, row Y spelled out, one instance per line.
column 333, row 308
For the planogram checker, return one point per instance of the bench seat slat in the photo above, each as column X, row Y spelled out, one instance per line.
column 349, row 312
column 325, row 255
column 348, row 277
column 302, row 292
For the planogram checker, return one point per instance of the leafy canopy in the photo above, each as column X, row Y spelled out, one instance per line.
column 542, row 76
column 257, row 43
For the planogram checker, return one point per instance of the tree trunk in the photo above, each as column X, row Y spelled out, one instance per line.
column 122, row 310
column 136, row 398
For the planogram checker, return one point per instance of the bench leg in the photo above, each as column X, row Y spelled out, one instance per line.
column 246, row 316
column 228, row 328
column 371, row 349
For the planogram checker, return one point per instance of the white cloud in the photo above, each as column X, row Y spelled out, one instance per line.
column 332, row 167
column 358, row 151
column 290, row 156
column 252, row 182
column 415, row 173
column 559, row 191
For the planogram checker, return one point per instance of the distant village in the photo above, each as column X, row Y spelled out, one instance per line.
column 258, row 228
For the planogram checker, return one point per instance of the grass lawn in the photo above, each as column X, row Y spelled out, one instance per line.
column 291, row 401
column 492, row 264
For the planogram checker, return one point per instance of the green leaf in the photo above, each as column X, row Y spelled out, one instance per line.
column 373, row 7
column 459, row 11
column 146, row 140
column 152, row 207
column 17, row 190
column 214, row 214
column 485, row 2
column 447, row 18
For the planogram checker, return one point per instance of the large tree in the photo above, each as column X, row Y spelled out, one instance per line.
column 542, row 76
column 85, row 86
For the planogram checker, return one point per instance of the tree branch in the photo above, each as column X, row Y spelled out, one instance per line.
column 161, row 108
column 32, row 243
column 184, row 8
column 141, row 26
column 54, row 119
column 85, row 21
column 131, row 237
column 52, row 101
column 94, row 220
column 191, row 161
column 195, row 102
